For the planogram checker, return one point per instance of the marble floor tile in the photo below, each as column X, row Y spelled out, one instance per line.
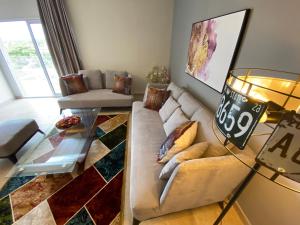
column 113, row 123
column 105, row 206
column 40, row 215
column 5, row 212
column 113, row 138
column 33, row 193
column 14, row 183
column 68, row 200
column 81, row 218
column 112, row 163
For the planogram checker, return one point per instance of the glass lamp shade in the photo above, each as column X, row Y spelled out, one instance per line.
column 280, row 89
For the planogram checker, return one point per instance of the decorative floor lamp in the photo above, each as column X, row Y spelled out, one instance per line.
column 253, row 96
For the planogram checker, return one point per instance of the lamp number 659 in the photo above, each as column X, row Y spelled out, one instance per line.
column 223, row 114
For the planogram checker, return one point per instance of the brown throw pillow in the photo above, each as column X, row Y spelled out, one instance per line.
column 181, row 138
column 156, row 98
column 122, row 84
column 74, row 84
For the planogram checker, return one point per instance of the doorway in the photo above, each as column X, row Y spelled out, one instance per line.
column 25, row 54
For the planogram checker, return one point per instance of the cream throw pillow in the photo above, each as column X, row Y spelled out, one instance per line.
column 193, row 152
column 176, row 119
column 168, row 108
column 181, row 138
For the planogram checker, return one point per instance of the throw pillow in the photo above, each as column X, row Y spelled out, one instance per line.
column 181, row 138
column 175, row 90
column 155, row 85
column 74, row 84
column 215, row 150
column 176, row 119
column 156, row 98
column 193, row 152
column 109, row 77
column 122, row 84
column 168, row 108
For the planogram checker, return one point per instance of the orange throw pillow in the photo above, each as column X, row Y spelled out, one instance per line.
column 156, row 98
column 74, row 84
column 122, row 85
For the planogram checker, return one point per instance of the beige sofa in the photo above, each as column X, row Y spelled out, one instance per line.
column 193, row 183
column 99, row 95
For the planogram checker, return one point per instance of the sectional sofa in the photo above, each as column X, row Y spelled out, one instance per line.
column 193, row 183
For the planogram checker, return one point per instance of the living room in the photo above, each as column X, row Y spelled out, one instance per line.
column 112, row 176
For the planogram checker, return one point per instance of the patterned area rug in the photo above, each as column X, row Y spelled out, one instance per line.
column 93, row 197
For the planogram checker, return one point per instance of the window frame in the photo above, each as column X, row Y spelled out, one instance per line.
column 6, row 68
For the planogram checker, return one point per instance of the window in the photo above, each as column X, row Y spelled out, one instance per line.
column 26, row 55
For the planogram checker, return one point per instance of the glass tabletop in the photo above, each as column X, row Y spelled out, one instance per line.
column 60, row 151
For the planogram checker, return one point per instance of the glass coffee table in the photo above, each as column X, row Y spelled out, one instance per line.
column 61, row 151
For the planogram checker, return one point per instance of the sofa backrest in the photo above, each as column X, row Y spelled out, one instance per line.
column 93, row 79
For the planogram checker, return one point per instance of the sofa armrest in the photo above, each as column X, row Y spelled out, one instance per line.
column 203, row 181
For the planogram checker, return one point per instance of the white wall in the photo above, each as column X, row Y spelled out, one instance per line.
column 18, row 9
column 271, row 41
column 132, row 35
column 5, row 92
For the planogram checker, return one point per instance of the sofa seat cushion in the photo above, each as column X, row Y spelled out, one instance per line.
column 145, row 186
column 95, row 98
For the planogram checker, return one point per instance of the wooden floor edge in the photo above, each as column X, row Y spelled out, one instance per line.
column 241, row 214
column 126, row 169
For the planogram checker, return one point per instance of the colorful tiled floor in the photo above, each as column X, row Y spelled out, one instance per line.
column 93, row 197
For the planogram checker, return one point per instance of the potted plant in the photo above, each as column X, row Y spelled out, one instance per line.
column 158, row 75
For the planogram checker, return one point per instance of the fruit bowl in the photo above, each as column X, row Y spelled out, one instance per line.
column 68, row 122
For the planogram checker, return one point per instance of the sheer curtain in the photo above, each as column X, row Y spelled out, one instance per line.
column 59, row 36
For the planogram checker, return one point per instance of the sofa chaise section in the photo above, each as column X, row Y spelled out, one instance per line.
column 95, row 99
column 193, row 183
column 98, row 95
column 147, row 135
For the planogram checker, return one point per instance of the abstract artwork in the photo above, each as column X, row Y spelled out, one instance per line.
column 212, row 48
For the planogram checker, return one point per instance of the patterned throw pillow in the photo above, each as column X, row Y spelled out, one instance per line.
column 156, row 98
column 181, row 138
column 193, row 152
column 74, row 84
column 122, row 84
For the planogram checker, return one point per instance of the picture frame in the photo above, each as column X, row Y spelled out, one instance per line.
column 213, row 48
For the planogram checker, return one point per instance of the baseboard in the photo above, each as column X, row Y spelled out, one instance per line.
column 241, row 214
